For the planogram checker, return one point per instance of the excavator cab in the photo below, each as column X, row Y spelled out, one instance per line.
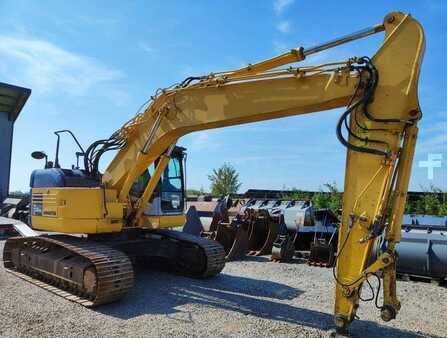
column 169, row 195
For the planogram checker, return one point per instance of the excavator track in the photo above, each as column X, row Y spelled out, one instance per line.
column 103, row 274
column 94, row 272
column 213, row 251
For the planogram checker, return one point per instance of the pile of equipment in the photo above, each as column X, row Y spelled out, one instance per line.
column 283, row 229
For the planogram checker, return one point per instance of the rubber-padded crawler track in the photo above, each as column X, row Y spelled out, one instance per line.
column 114, row 271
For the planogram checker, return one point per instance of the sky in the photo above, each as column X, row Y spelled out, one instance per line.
column 91, row 64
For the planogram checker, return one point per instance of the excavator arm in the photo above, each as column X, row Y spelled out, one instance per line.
column 376, row 186
column 380, row 134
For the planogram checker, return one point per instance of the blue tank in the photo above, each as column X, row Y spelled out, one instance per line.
column 57, row 177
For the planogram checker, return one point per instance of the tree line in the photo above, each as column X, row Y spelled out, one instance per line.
column 329, row 197
column 225, row 181
column 433, row 201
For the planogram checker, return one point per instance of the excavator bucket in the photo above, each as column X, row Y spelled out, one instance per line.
column 251, row 231
column 323, row 248
column 193, row 225
column 263, row 232
column 233, row 235
column 263, row 218
column 234, row 238
column 322, row 253
column 284, row 246
column 298, row 215
column 283, row 249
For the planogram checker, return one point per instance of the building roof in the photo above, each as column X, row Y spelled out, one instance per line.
column 12, row 99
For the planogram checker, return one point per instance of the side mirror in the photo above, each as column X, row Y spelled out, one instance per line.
column 38, row 155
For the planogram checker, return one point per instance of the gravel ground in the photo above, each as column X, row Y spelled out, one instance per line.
column 253, row 297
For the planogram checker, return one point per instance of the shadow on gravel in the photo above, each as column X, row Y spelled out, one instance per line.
column 162, row 293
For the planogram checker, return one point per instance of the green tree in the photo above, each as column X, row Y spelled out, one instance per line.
column 441, row 200
column 330, row 199
column 193, row 192
column 443, row 209
column 336, row 197
column 326, row 198
column 296, row 194
column 321, row 200
column 224, row 180
column 410, row 207
column 420, row 206
column 432, row 202
column 18, row 194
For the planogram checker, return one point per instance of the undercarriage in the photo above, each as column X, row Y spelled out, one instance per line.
column 99, row 269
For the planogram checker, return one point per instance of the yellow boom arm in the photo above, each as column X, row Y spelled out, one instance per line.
column 380, row 135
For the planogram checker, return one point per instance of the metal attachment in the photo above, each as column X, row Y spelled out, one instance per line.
column 363, row 218
column 347, row 291
column 152, row 133
column 390, row 18
column 344, row 39
column 341, row 323
column 387, row 313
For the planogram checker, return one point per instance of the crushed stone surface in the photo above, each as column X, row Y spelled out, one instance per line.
column 250, row 298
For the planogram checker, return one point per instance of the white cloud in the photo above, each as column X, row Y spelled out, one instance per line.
column 284, row 27
column 279, row 47
column 280, row 5
column 433, row 144
column 438, row 126
column 201, row 140
column 263, row 158
column 46, row 67
column 144, row 46
column 204, row 140
column 187, row 71
column 91, row 20
column 203, row 136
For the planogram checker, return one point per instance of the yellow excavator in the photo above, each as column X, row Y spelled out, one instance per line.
column 102, row 222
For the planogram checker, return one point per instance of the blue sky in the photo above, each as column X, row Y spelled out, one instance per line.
column 91, row 64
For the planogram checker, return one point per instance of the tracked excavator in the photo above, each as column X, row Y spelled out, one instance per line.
column 124, row 213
